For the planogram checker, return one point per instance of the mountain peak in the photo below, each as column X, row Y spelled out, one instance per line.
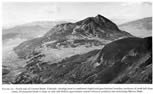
column 100, row 16
column 100, row 19
column 97, row 19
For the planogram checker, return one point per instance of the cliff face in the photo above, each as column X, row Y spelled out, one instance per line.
column 127, row 60
column 92, row 31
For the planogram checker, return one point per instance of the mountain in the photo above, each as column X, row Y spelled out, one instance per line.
column 139, row 28
column 127, row 60
column 91, row 51
column 92, row 31
column 91, row 27
column 28, row 30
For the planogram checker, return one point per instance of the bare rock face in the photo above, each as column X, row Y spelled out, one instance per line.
column 91, row 31
column 127, row 60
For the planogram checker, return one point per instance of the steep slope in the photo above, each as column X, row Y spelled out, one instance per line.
column 127, row 60
column 139, row 28
column 92, row 31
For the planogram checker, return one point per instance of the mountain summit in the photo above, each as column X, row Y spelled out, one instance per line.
column 100, row 21
column 98, row 26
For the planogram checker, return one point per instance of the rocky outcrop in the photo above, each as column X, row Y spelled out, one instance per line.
column 127, row 60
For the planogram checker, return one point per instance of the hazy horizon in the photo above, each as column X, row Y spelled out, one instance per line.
column 16, row 13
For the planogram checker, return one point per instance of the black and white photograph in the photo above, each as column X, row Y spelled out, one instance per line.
column 76, row 43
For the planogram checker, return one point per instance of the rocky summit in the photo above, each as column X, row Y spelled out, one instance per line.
column 127, row 60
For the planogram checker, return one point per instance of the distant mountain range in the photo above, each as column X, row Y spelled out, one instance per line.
column 28, row 30
column 139, row 28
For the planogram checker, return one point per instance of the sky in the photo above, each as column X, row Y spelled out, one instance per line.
column 15, row 13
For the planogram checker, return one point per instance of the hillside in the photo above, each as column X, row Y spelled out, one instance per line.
column 139, row 28
column 127, row 60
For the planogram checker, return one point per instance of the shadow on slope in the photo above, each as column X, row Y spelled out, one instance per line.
column 126, row 60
